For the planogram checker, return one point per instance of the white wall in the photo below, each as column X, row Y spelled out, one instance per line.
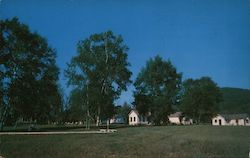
column 240, row 122
column 175, row 120
column 133, row 118
column 112, row 120
column 233, row 122
column 216, row 121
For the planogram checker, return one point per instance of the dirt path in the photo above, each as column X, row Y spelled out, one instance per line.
column 61, row 132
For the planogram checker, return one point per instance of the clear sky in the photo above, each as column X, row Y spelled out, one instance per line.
column 201, row 37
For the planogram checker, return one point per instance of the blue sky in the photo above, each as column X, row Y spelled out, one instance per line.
column 201, row 37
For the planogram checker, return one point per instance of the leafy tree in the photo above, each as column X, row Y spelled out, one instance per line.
column 76, row 110
column 100, row 72
column 28, row 73
column 157, row 87
column 55, row 98
column 143, row 103
column 200, row 99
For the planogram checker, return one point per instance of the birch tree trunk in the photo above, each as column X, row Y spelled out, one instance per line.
column 103, row 88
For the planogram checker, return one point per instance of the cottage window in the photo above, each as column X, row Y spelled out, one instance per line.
column 134, row 119
column 215, row 121
column 246, row 120
column 131, row 120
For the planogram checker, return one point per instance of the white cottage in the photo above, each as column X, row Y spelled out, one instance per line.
column 231, row 119
column 178, row 118
column 136, row 119
column 175, row 118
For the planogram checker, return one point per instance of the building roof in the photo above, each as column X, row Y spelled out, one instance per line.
column 234, row 116
column 137, row 113
column 177, row 114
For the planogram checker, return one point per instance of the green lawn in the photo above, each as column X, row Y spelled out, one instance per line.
column 156, row 142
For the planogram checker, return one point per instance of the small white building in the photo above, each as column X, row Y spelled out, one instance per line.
column 231, row 119
column 175, row 118
column 178, row 118
column 117, row 119
column 136, row 119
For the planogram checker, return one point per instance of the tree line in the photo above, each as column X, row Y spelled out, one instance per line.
column 97, row 74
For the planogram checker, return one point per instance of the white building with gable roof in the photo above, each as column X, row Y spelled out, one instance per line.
column 136, row 119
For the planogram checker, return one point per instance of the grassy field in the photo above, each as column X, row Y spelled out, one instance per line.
column 156, row 142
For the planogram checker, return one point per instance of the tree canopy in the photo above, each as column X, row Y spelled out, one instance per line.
column 200, row 99
column 100, row 72
column 157, row 89
column 28, row 73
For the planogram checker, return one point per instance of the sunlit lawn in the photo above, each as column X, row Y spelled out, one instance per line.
column 165, row 141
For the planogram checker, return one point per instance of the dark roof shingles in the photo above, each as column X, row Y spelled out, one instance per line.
column 234, row 116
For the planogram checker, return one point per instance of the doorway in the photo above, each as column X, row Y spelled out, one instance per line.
column 220, row 122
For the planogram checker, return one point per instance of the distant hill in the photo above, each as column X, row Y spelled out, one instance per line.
column 236, row 100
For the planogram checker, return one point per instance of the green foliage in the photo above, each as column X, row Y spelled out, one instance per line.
column 157, row 87
column 100, row 72
column 76, row 111
column 235, row 100
column 28, row 73
column 200, row 99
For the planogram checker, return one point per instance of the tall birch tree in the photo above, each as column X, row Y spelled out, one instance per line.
column 100, row 70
